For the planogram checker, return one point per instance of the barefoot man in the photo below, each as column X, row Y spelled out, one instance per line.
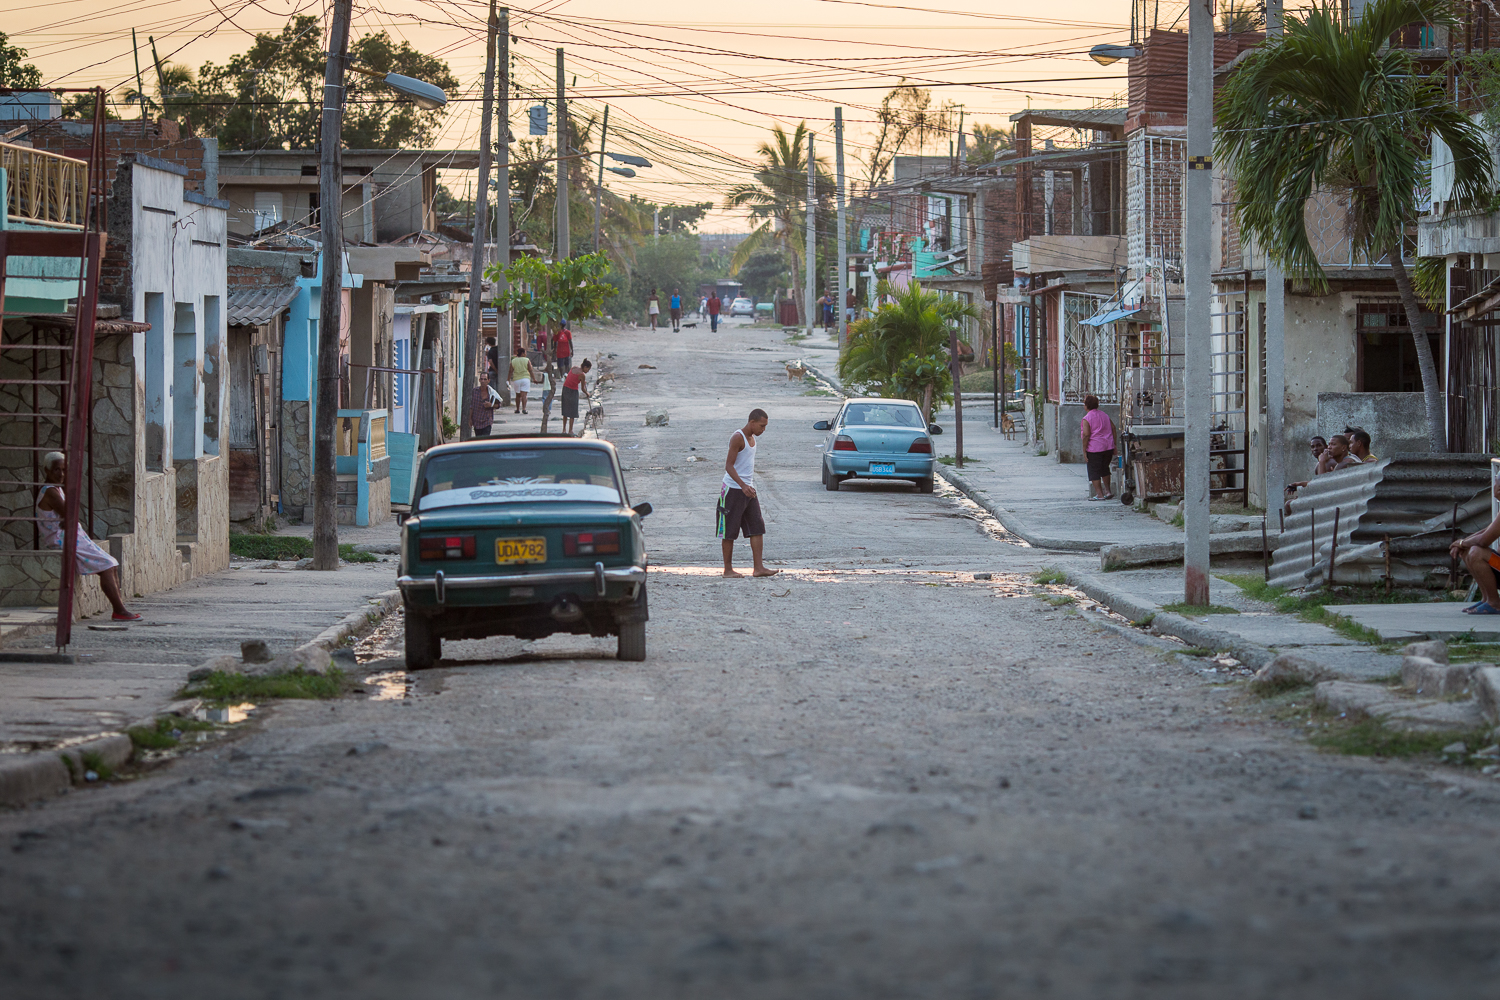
column 739, row 507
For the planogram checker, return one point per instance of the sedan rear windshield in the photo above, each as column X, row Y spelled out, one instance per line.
column 881, row 415
column 518, row 475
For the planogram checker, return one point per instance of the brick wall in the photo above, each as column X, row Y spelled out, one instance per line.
column 162, row 140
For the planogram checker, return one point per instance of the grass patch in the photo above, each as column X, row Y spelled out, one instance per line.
column 1196, row 610
column 93, row 761
column 1196, row 651
column 229, row 689
column 1177, row 521
column 165, row 733
column 1058, row 600
column 819, row 392
column 1371, row 738
column 1049, row 575
column 1461, row 650
column 948, row 459
column 282, row 547
column 1311, row 607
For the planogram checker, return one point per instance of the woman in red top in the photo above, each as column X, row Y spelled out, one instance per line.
column 576, row 382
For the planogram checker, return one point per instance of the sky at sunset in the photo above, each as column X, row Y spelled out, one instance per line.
column 695, row 96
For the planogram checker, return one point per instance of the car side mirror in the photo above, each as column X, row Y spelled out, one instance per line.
column 934, row 428
column 642, row 509
column 821, row 425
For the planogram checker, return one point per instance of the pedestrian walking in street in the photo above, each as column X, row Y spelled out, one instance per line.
column 575, row 382
column 675, row 304
column 653, row 308
column 492, row 357
column 520, row 380
column 541, row 347
column 714, row 305
column 544, row 385
column 482, row 407
column 562, row 349
column 1098, row 433
column 825, row 310
column 739, row 504
column 1478, row 554
column 89, row 557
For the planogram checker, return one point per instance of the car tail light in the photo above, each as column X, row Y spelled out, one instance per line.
column 921, row 446
column 844, row 443
column 433, row 547
column 591, row 543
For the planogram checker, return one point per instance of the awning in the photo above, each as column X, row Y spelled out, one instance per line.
column 1479, row 304
column 256, row 305
column 1099, row 319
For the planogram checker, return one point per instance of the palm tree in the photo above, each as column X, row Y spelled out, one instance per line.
column 901, row 350
column 1331, row 107
column 776, row 199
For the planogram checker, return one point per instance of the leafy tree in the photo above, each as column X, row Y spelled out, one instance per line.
column 14, row 70
column 988, row 142
column 904, row 120
column 271, row 96
column 766, row 270
column 81, row 106
column 546, row 294
column 892, row 351
column 664, row 264
column 676, row 220
column 447, row 205
column 1331, row 106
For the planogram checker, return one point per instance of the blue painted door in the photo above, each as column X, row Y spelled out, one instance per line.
column 404, row 461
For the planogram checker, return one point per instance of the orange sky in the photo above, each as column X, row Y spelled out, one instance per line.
column 712, row 90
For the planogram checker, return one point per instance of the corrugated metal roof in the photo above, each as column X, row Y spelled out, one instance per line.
column 1408, row 498
column 255, row 305
column 1158, row 76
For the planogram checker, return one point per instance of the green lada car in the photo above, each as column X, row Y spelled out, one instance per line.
column 522, row 536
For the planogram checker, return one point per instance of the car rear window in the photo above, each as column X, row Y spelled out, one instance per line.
column 881, row 415
column 518, row 475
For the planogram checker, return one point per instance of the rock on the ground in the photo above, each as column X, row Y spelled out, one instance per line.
column 218, row 665
column 1371, row 701
column 1433, row 649
column 303, row 563
column 1430, row 677
column 1288, row 670
column 309, row 659
column 379, row 548
column 657, row 418
column 1486, row 685
column 344, row 658
column 256, row 651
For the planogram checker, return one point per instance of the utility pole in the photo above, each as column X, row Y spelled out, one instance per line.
column 812, row 236
column 599, row 187
column 1197, row 375
column 140, row 86
column 1275, row 334
column 956, row 370
column 843, row 241
column 481, row 235
column 655, row 224
column 502, row 194
column 564, row 236
column 331, row 223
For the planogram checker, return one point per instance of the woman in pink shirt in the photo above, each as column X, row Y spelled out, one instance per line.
column 1098, row 433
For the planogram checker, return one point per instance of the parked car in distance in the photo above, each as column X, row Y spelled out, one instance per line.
column 878, row 439
column 522, row 536
column 742, row 307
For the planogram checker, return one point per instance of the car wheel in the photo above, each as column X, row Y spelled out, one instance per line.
column 924, row 485
column 632, row 644
column 423, row 647
column 831, row 481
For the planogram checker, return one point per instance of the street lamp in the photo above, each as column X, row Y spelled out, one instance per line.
column 634, row 161
column 622, row 171
column 1106, row 53
column 330, row 218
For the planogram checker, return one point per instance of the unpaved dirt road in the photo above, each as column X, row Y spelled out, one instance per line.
column 872, row 776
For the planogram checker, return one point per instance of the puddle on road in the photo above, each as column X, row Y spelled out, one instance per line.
column 226, row 714
column 384, row 644
column 388, row 685
column 983, row 518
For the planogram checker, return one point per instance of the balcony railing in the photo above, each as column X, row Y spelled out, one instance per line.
column 44, row 188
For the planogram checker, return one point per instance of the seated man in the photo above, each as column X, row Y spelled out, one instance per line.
column 1478, row 554
column 1359, row 444
column 1336, row 457
column 1318, row 444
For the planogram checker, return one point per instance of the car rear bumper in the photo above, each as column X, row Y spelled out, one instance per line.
column 598, row 581
column 851, row 463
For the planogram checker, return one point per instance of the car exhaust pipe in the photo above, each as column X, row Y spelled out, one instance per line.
column 566, row 610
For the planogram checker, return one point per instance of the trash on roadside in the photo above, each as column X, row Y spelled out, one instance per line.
column 657, row 418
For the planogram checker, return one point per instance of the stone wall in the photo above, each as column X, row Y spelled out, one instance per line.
column 29, row 579
column 296, row 456
column 212, row 552
column 116, row 403
column 380, row 491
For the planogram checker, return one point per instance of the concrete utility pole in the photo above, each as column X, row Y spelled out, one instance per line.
column 481, row 234
column 1275, row 334
column 502, row 192
column 331, row 223
column 1197, row 374
column 843, row 241
column 564, row 235
column 808, row 298
column 599, row 187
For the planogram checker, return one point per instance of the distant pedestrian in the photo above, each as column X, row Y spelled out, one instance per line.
column 739, row 504
column 675, row 304
column 653, row 308
column 541, row 347
column 520, row 380
column 482, row 407
column 492, row 357
column 562, row 349
column 544, row 385
column 714, row 305
column 88, row 557
column 575, row 382
column 1098, row 433
column 825, row 310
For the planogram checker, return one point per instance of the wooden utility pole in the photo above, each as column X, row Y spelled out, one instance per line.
column 564, row 235
column 330, row 305
column 1275, row 347
column 599, row 187
column 843, row 239
column 472, row 353
column 811, row 267
column 958, row 396
column 502, row 194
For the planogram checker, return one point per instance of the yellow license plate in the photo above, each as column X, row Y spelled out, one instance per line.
column 510, row 551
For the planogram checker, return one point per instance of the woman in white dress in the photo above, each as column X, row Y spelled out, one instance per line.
column 91, row 558
column 653, row 308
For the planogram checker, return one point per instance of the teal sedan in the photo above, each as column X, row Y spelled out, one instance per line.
column 878, row 439
column 522, row 536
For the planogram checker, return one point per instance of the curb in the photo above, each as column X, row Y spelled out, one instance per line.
column 41, row 775
column 330, row 638
column 1253, row 655
column 1008, row 520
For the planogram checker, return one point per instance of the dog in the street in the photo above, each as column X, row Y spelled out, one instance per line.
column 1007, row 427
column 794, row 370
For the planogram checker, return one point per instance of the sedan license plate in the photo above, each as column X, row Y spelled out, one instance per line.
column 882, row 469
column 511, row 551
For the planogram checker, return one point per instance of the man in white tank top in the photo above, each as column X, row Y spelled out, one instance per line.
column 739, row 506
